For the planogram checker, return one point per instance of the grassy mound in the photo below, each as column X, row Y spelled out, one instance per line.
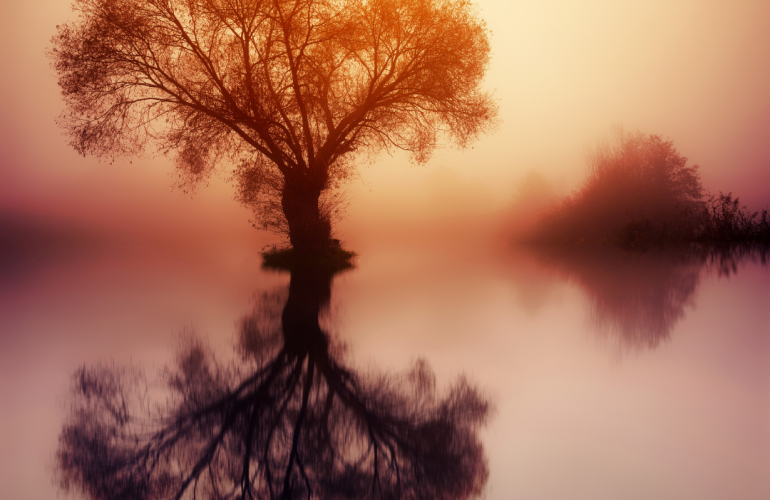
column 334, row 258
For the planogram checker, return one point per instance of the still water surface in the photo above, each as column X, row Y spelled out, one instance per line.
column 612, row 375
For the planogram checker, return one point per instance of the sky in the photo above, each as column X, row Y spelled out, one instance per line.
column 563, row 73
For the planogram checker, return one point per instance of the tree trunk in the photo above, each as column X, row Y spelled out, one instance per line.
column 309, row 229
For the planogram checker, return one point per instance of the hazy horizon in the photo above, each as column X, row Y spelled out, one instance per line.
column 613, row 374
column 693, row 72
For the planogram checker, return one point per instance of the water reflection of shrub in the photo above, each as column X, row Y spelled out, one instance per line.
column 635, row 297
column 725, row 259
column 638, row 297
column 290, row 419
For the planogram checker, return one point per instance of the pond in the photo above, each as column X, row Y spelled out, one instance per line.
column 608, row 374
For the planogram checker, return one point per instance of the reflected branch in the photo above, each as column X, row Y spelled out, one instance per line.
column 290, row 419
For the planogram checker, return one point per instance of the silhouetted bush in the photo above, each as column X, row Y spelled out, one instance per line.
column 726, row 221
column 639, row 190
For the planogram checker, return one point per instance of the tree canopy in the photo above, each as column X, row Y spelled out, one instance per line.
column 637, row 185
column 288, row 92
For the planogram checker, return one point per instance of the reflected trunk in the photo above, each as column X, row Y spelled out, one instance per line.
column 291, row 420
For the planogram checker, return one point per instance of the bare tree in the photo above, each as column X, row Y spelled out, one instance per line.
column 286, row 91
column 290, row 420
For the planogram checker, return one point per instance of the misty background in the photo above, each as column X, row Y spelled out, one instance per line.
column 140, row 258
column 564, row 72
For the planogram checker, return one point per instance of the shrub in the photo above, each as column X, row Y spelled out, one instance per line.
column 726, row 221
column 638, row 188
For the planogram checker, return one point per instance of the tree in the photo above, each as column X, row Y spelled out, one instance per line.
column 290, row 420
column 290, row 92
column 638, row 187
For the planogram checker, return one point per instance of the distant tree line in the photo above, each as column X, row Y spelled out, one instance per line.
column 639, row 190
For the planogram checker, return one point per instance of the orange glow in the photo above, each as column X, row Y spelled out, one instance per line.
column 142, row 260
column 563, row 73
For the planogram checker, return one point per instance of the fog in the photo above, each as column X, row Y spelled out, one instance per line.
column 110, row 262
column 563, row 74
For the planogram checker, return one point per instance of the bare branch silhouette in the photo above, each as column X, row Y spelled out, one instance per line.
column 291, row 420
column 289, row 91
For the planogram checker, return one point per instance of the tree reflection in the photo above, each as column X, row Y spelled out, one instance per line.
column 290, row 419
column 638, row 297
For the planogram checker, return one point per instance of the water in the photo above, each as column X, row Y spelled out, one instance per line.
column 611, row 374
